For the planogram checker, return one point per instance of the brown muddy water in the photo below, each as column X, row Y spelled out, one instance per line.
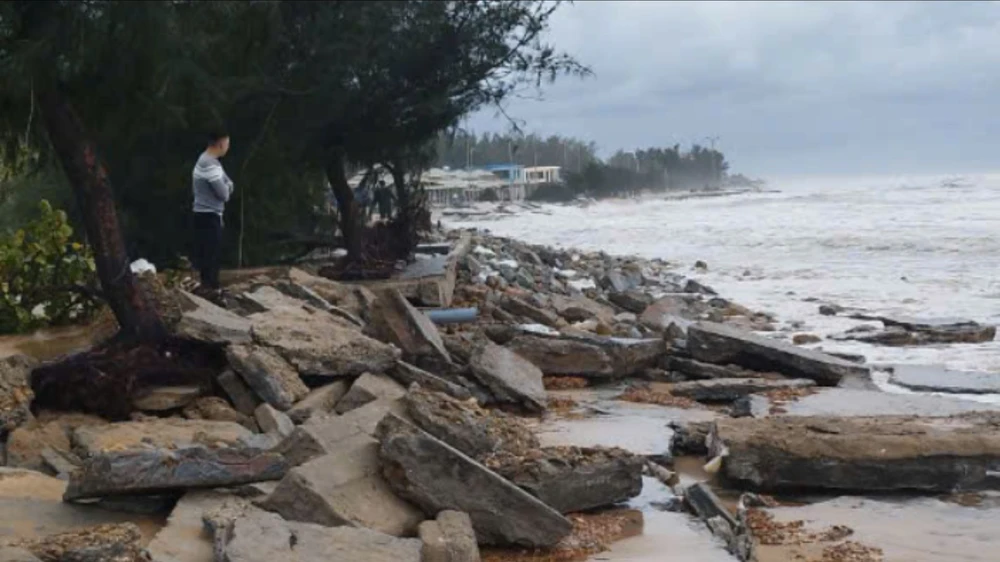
column 52, row 342
column 907, row 529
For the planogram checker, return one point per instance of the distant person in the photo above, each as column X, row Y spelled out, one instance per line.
column 364, row 199
column 212, row 189
column 383, row 201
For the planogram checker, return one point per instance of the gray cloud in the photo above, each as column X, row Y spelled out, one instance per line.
column 791, row 87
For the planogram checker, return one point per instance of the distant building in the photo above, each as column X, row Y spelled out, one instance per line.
column 543, row 174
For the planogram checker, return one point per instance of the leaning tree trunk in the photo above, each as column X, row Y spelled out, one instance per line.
column 405, row 221
column 88, row 177
column 351, row 227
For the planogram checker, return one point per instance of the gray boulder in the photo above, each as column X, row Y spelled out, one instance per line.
column 321, row 434
column 15, row 391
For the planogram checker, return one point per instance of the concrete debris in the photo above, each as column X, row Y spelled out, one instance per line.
column 160, row 470
column 875, row 454
column 270, row 376
column 243, row 399
column 273, row 421
column 320, row 401
column 449, row 538
column 321, row 434
column 572, row 479
column 396, row 321
column 259, row 536
column 344, row 488
column 437, row 477
column 723, row 345
column 369, row 388
column 509, row 377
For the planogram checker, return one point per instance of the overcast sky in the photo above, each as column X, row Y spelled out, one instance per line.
column 790, row 87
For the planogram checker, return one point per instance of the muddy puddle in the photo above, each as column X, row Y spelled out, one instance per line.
column 52, row 342
column 31, row 506
column 599, row 420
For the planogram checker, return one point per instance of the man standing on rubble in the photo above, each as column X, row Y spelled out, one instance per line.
column 212, row 189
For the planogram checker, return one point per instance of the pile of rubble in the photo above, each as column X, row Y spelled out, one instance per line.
column 346, row 425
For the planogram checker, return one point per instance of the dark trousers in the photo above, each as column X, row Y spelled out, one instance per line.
column 208, row 247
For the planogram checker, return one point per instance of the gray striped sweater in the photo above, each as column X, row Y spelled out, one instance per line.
column 212, row 187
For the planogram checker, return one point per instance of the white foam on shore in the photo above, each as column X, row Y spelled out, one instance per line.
column 897, row 246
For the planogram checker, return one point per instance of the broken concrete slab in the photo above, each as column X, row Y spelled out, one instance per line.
column 851, row 402
column 720, row 344
column 159, row 470
column 259, row 536
column 509, row 377
column 634, row 301
column 321, row 433
column 563, row 356
column 437, row 477
column 449, row 538
column 15, row 391
column 571, row 479
column 214, row 408
column 319, row 345
column 697, row 370
column 580, row 309
column 883, row 454
column 340, row 295
column 728, row 390
column 270, row 376
column 369, row 388
column 668, row 309
column 273, row 421
column 396, row 321
column 467, row 427
column 165, row 398
column 344, row 488
column 205, row 321
column 183, row 539
column 916, row 331
column 523, row 309
column 93, row 440
column 320, row 401
column 936, row 378
column 243, row 399
column 406, row 375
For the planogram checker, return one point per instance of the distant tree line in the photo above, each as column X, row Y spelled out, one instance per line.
column 583, row 172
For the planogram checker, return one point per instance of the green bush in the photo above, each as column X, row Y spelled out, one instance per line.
column 42, row 270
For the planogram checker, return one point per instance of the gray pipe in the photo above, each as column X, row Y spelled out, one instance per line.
column 452, row 315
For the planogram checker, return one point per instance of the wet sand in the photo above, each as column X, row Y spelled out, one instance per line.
column 907, row 530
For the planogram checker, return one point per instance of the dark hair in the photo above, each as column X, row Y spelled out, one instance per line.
column 215, row 135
